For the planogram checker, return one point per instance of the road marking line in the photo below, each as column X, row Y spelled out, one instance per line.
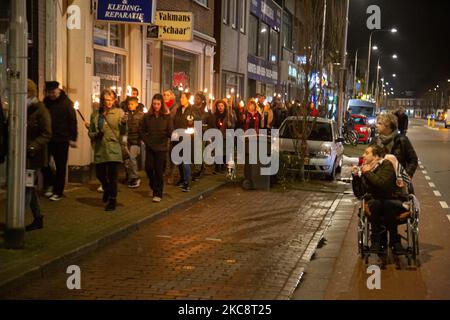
column 448, row 216
column 166, row 237
column 444, row 204
column 422, row 167
column 424, row 172
column 437, row 193
column 213, row 239
column 427, row 178
column 432, row 184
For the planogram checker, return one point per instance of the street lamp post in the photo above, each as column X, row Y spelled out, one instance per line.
column 17, row 76
column 369, row 55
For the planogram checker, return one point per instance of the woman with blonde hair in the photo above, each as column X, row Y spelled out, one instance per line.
column 108, row 131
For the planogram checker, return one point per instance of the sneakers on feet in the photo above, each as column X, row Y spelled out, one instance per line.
column 55, row 197
column 134, row 183
column 100, row 189
column 157, row 199
column 49, row 192
column 186, row 188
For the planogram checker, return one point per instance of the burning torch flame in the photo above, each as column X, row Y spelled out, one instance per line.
column 76, row 105
column 232, row 90
column 190, row 131
column 129, row 91
column 191, row 100
column 228, row 96
column 242, row 104
column 145, row 110
column 206, row 90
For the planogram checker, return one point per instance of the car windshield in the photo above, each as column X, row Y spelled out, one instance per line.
column 292, row 129
column 360, row 121
column 366, row 111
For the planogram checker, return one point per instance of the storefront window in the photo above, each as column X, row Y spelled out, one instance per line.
column 110, row 68
column 263, row 44
column 109, row 35
column 273, row 54
column 179, row 69
column 233, row 81
column 253, row 38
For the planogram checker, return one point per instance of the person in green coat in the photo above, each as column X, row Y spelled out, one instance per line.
column 108, row 131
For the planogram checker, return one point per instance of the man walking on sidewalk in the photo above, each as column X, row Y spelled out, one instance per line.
column 65, row 132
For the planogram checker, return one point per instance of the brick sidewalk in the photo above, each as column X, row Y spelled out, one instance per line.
column 232, row 245
column 78, row 224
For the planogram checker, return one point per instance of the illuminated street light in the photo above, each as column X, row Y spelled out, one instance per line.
column 394, row 75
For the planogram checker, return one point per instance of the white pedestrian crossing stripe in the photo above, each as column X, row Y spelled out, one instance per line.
column 437, row 193
column 424, row 172
column 427, row 178
column 444, row 204
column 432, row 184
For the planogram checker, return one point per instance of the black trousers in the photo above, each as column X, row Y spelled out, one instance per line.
column 384, row 218
column 60, row 152
column 107, row 173
column 155, row 164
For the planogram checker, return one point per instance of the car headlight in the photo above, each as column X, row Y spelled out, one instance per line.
column 325, row 151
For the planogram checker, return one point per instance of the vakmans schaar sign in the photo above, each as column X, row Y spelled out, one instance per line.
column 172, row 26
column 126, row 11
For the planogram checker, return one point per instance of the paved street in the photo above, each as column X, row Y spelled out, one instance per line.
column 348, row 276
column 231, row 245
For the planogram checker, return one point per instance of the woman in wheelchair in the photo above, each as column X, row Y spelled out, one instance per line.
column 376, row 182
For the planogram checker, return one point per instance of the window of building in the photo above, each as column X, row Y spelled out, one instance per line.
column 253, row 38
column 233, row 15
column 110, row 68
column 242, row 15
column 233, row 81
column 225, row 11
column 273, row 51
column 179, row 69
column 263, row 43
column 202, row 2
column 109, row 34
column 287, row 30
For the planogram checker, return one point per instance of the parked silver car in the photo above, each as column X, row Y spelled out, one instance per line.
column 325, row 146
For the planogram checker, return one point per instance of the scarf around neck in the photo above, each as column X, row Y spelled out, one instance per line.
column 388, row 141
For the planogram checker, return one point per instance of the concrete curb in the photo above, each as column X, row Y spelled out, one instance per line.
column 319, row 293
column 296, row 275
column 66, row 259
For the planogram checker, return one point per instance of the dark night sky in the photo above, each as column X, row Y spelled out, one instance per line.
column 422, row 42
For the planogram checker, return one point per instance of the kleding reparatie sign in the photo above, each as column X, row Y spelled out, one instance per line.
column 126, row 11
column 172, row 26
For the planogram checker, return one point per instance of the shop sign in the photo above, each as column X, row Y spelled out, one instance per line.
column 172, row 26
column 261, row 70
column 268, row 11
column 126, row 11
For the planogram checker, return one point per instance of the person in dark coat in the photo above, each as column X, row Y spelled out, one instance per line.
column 135, row 118
column 39, row 133
column 403, row 121
column 156, row 130
column 398, row 145
column 172, row 106
column 252, row 117
column 65, row 133
column 376, row 181
column 223, row 118
column 201, row 108
column 134, row 95
column 185, row 117
column 3, row 135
